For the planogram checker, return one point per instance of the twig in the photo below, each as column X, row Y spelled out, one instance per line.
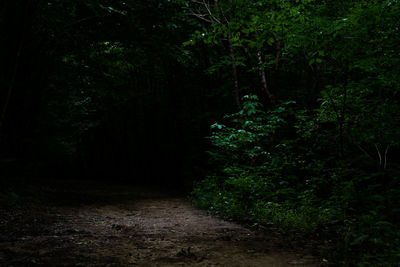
column 386, row 151
column 365, row 152
column 379, row 154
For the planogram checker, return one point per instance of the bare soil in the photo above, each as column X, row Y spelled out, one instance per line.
column 93, row 224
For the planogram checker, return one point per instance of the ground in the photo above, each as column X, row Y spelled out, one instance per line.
column 95, row 224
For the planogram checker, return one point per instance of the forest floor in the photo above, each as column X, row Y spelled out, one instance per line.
column 87, row 224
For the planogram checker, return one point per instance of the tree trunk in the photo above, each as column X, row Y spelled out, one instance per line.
column 235, row 75
column 277, row 59
column 263, row 79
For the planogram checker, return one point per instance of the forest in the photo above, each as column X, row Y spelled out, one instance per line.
column 273, row 114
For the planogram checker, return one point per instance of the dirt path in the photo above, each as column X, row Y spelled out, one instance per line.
column 89, row 225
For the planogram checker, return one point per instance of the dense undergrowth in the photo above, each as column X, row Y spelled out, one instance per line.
column 284, row 167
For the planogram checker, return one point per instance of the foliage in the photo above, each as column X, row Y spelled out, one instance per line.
column 328, row 170
column 272, row 167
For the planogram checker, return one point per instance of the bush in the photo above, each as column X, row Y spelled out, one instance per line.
column 281, row 167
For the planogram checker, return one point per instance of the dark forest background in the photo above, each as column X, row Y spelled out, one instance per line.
column 94, row 90
column 270, row 112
